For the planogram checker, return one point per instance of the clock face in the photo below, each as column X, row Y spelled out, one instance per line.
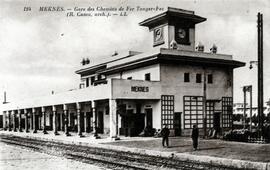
column 181, row 33
column 158, row 36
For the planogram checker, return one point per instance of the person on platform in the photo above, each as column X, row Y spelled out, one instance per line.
column 195, row 136
column 165, row 132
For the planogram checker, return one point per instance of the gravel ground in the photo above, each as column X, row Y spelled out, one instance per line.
column 13, row 158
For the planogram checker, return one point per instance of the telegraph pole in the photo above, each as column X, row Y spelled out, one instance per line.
column 245, row 102
column 250, row 120
column 260, row 71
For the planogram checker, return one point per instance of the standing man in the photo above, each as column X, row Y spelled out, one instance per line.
column 165, row 132
column 195, row 136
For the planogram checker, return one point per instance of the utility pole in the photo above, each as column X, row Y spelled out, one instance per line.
column 245, row 102
column 260, row 72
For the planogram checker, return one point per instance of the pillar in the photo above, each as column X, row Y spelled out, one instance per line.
column 39, row 120
column 113, row 120
column 43, row 111
column 5, row 120
column 26, row 121
column 244, row 115
column 78, row 109
column 9, row 121
column 34, row 120
column 85, row 122
column 20, row 120
column 94, row 104
column 66, row 120
column 54, row 120
column 14, row 120
column 31, row 120
column 250, row 92
column 61, row 122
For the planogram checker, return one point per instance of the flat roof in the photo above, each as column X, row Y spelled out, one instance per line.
column 164, row 55
column 101, row 62
column 177, row 13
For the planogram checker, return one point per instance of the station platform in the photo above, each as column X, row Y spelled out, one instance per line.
column 233, row 154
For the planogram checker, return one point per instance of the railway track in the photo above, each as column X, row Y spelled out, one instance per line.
column 105, row 157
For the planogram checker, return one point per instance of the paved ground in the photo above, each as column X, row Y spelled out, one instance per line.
column 216, row 148
column 13, row 158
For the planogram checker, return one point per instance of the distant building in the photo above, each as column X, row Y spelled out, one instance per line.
column 238, row 108
column 126, row 93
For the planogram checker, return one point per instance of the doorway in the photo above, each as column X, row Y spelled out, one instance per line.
column 149, row 118
column 177, row 123
column 216, row 121
column 100, row 124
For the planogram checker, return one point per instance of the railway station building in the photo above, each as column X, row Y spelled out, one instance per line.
column 174, row 83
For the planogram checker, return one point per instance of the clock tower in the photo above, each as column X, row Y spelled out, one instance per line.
column 173, row 29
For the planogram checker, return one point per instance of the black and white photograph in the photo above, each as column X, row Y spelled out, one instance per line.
column 134, row 84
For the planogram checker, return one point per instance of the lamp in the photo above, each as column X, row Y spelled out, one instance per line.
column 251, row 63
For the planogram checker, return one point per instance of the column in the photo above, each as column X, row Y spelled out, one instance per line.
column 66, row 120
column 9, row 121
column 14, row 120
column 5, row 120
column 54, row 120
column 61, row 122
column 94, row 120
column 20, row 120
column 85, row 122
column 31, row 120
column 40, row 120
column 34, row 120
column 113, row 120
column 43, row 111
column 78, row 108
column 26, row 121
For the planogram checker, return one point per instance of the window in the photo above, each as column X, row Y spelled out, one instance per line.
column 129, row 78
column 198, row 78
column 186, row 77
column 167, row 110
column 210, row 110
column 147, row 77
column 87, row 82
column 227, row 103
column 210, row 78
column 193, row 111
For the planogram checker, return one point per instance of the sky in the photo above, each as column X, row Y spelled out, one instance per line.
column 40, row 51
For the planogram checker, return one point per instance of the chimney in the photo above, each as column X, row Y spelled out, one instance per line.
column 213, row 49
column 5, row 98
column 200, row 47
column 87, row 61
column 173, row 44
column 115, row 53
column 83, row 61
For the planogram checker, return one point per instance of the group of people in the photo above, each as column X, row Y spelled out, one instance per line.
column 165, row 132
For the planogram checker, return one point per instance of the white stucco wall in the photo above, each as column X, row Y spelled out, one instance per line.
column 172, row 83
column 138, row 74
